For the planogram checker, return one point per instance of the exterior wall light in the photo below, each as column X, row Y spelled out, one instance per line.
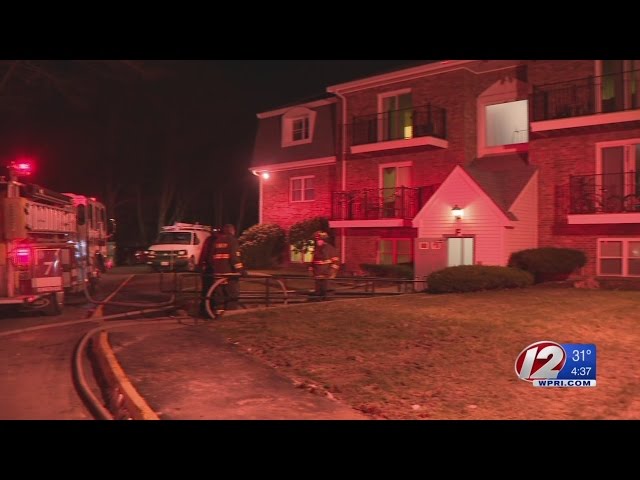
column 457, row 212
column 265, row 175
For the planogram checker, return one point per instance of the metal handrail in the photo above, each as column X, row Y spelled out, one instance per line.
column 585, row 96
column 405, row 123
column 605, row 193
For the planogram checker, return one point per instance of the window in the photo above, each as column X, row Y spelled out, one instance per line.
column 169, row 238
column 396, row 112
column 302, row 189
column 507, row 123
column 300, row 129
column 394, row 198
column 299, row 257
column 503, row 118
column 619, row 82
column 619, row 257
column 393, row 251
column 297, row 126
column 618, row 174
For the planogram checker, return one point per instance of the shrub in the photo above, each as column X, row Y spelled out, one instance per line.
column 548, row 263
column 402, row 270
column 262, row 245
column 470, row 278
column 301, row 233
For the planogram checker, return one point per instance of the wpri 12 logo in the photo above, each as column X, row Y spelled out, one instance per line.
column 551, row 364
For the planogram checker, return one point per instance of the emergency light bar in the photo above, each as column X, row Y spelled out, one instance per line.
column 21, row 168
column 177, row 226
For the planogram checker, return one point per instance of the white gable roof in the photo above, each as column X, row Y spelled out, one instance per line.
column 460, row 189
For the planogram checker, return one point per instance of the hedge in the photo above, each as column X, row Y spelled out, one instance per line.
column 402, row 270
column 470, row 278
column 548, row 263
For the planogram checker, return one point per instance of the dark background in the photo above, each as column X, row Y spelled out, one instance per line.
column 157, row 141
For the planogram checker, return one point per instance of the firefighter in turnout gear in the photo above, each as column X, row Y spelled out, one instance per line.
column 325, row 264
column 206, row 274
column 226, row 260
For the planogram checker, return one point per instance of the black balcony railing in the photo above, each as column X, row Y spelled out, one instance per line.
column 427, row 120
column 605, row 193
column 380, row 203
column 586, row 96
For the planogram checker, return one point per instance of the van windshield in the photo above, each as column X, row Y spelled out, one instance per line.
column 180, row 238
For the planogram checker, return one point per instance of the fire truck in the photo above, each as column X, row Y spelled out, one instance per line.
column 48, row 244
column 92, row 227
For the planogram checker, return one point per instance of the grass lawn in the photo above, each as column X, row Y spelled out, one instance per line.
column 452, row 356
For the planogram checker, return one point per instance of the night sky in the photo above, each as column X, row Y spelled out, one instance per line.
column 129, row 132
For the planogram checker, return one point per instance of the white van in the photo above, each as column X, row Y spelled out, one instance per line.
column 178, row 247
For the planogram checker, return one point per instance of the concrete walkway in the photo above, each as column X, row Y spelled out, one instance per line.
column 189, row 372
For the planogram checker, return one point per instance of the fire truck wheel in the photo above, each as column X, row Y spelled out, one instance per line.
column 54, row 307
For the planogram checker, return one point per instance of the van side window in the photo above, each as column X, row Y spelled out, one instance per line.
column 196, row 239
column 81, row 215
column 90, row 209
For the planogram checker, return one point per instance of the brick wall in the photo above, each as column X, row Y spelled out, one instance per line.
column 277, row 205
column 362, row 243
column 562, row 154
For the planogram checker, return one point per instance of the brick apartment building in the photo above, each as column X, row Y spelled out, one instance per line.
column 464, row 162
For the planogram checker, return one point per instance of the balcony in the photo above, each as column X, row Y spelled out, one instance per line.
column 604, row 198
column 383, row 207
column 587, row 101
column 425, row 125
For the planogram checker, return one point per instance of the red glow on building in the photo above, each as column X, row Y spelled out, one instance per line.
column 22, row 257
column 21, row 167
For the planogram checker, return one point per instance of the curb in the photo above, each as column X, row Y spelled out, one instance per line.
column 123, row 401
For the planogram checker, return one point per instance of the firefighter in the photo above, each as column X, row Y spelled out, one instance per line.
column 226, row 259
column 325, row 264
column 206, row 273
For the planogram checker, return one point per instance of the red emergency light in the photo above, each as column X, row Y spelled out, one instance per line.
column 21, row 167
column 22, row 257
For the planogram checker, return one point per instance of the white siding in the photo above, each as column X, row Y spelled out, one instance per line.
column 482, row 217
column 525, row 232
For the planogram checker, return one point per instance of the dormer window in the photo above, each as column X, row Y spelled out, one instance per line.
column 300, row 129
column 297, row 126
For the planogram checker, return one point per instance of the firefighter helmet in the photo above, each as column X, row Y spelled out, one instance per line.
column 320, row 235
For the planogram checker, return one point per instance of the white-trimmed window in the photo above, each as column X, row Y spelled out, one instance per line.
column 618, row 83
column 300, row 129
column 619, row 257
column 297, row 126
column 303, row 189
column 392, row 177
column 395, row 110
column 503, row 118
column 507, row 123
column 392, row 251
column 618, row 172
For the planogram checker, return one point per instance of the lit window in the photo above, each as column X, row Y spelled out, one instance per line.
column 620, row 257
column 507, row 123
column 396, row 115
column 503, row 118
column 302, row 189
column 302, row 257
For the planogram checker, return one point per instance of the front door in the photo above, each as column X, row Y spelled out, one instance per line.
column 460, row 251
